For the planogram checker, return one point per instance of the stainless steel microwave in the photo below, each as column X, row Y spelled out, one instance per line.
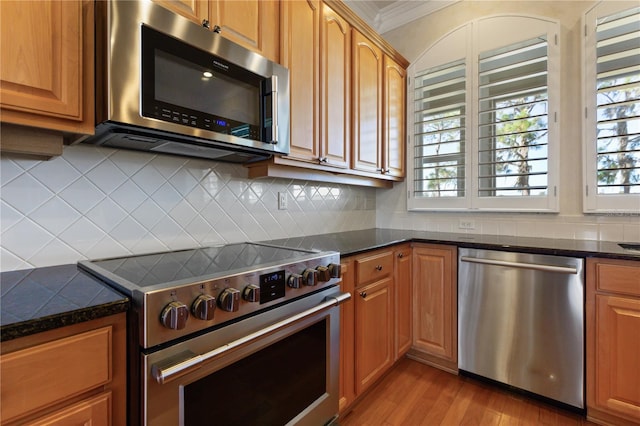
column 165, row 84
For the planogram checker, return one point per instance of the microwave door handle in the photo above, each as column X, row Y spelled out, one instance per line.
column 274, row 109
column 164, row 373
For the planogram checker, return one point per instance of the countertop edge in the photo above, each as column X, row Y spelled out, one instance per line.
column 491, row 246
column 39, row 325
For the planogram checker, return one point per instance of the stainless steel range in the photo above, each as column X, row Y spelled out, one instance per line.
column 237, row 334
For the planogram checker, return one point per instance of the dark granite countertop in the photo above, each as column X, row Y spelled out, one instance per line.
column 41, row 299
column 354, row 242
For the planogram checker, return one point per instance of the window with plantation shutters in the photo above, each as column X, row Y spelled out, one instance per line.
column 439, row 143
column 612, row 124
column 513, row 120
column 483, row 103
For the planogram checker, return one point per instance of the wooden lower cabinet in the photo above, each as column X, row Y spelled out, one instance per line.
column 366, row 323
column 74, row 375
column 374, row 331
column 402, row 299
column 347, row 341
column 613, row 341
column 93, row 411
column 435, row 305
column 403, row 303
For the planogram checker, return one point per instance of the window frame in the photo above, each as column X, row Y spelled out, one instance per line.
column 592, row 201
column 467, row 47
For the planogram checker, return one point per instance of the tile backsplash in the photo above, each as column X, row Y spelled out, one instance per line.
column 95, row 202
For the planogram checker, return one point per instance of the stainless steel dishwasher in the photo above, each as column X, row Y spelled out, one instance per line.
column 521, row 321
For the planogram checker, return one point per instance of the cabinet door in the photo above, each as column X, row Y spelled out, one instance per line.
column 402, row 286
column 253, row 24
column 300, row 54
column 617, row 357
column 335, row 88
column 367, row 104
column 394, row 118
column 94, row 412
column 196, row 10
column 434, row 301
column 374, row 339
column 347, row 377
column 41, row 68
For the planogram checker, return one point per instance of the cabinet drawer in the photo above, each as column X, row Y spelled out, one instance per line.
column 373, row 267
column 619, row 276
column 94, row 411
column 42, row 375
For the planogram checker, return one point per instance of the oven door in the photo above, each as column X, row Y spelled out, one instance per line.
column 278, row 367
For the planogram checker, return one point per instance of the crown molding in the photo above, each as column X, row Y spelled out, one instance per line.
column 397, row 14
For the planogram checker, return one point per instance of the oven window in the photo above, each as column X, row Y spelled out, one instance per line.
column 269, row 387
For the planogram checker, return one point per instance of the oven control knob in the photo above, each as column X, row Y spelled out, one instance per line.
column 203, row 307
column 174, row 315
column 251, row 293
column 323, row 274
column 294, row 281
column 334, row 270
column 229, row 299
column 310, row 277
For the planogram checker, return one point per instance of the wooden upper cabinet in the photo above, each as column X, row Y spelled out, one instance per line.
column 196, row 10
column 316, row 50
column 253, row 24
column 367, row 104
column 335, row 87
column 301, row 55
column 46, row 65
column 395, row 78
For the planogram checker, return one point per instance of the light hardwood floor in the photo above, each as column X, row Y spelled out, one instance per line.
column 417, row 394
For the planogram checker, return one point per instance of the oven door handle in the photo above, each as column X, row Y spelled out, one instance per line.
column 163, row 373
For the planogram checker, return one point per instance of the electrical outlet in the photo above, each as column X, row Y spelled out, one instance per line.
column 466, row 224
column 282, row 201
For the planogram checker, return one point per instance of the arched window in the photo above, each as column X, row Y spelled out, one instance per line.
column 483, row 118
column 612, row 108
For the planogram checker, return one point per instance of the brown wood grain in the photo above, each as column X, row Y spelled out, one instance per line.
column 413, row 393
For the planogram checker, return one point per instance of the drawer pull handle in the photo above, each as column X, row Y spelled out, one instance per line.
column 363, row 294
column 379, row 268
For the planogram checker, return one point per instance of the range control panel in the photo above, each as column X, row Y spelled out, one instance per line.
column 172, row 313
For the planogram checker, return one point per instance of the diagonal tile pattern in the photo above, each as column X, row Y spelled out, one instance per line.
column 98, row 202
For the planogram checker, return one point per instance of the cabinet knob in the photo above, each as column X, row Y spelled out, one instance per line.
column 206, row 24
column 401, row 255
column 379, row 268
column 217, row 29
column 363, row 294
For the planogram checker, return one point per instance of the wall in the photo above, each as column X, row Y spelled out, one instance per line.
column 98, row 202
column 412, row 39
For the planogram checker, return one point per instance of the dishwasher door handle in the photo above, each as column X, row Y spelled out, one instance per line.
column 521, row 265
